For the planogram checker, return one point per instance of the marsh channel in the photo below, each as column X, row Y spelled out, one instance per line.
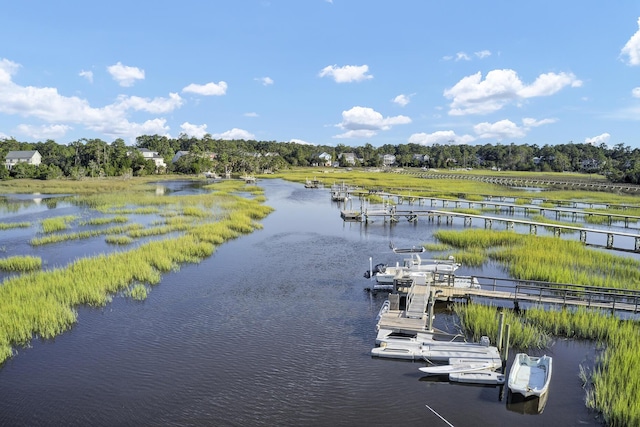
column 275, row 328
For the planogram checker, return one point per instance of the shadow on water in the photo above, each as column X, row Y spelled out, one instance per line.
column 274, row 329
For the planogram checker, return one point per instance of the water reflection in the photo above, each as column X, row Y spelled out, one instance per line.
column 532, row 405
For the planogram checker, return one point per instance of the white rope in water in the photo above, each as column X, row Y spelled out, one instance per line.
column 440, row 416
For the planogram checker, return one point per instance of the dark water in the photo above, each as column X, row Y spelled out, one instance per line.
column 273, row 329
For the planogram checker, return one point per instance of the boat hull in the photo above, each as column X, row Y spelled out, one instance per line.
column 478, row 377
column 530, row 376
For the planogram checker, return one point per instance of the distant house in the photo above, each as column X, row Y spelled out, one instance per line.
column 30, row 157
column 179, row 154
column 388, row 159
column 421, row 158
column 591, row 164
column 349, row 158
column 153, row 155
column 207, row 155
column 326, row 158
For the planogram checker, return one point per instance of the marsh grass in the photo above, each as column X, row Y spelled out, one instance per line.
column 546, row 258
column 59, row 223
column 106, row 220
column 437, row 247
column 21, row 263
column 11, row 225
column 545, row 220
column 79, row 235
column 477, row 320
column 138, row 292
column 118, row 240
column 469, row 211
column 471, row 257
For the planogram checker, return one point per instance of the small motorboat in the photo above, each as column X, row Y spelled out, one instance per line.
column 478, row 377
column 529, row 375
column 469, row 365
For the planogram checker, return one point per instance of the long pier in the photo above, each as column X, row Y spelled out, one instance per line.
column 538, row 292
column 512, row 208
column 525, row 182
column 392, row 214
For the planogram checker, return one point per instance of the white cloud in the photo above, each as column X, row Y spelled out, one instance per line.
column 43, row 131
column 125, row 76
column 632, row 48
column 482, row 54
column 301, row 142
column 87, row 75
column 7, row 69
column 402, row 99
column 126, row 129
column 461, row 56
column 635, row 92
column 532, row 123
column 441, row 137
column 235, row 133
column 209, row 89
column 597, row 140
column 357, row 134
column 364, row 122
column 472, row 95
column 251, row 114
column 46, row 104
column 266, row 81
column 156, row 105
column 548, row 84
column 346, row 74
column 500, row 130
column 196, row 131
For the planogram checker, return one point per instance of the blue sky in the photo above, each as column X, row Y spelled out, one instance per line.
column 334, row 72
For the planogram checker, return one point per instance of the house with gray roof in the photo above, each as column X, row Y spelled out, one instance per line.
column 31, row 157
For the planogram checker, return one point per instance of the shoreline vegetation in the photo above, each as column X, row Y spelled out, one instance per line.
column 42, row 303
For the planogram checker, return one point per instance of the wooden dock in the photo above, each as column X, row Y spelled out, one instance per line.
column 414, row 316
column 392, row 214
column 544, row 293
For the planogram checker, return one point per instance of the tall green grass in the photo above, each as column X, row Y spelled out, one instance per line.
column 546, row 258
column 10, row 225
column 106, row 220
column 21, row 263
column 59, row 223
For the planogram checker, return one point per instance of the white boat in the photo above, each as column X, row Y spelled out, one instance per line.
column 435, row 350
column 529, row 375
column 388, row 335
column 413, row 249
column 465, row 365
column 478, row 377
column 387, row 275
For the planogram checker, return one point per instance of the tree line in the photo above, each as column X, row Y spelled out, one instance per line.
column 95, row 157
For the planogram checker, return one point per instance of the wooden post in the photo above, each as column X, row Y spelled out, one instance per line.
column 430, row 312
column 505, row 349
column 500, row 331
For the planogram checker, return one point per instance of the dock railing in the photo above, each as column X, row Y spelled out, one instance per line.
column 553, row 293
